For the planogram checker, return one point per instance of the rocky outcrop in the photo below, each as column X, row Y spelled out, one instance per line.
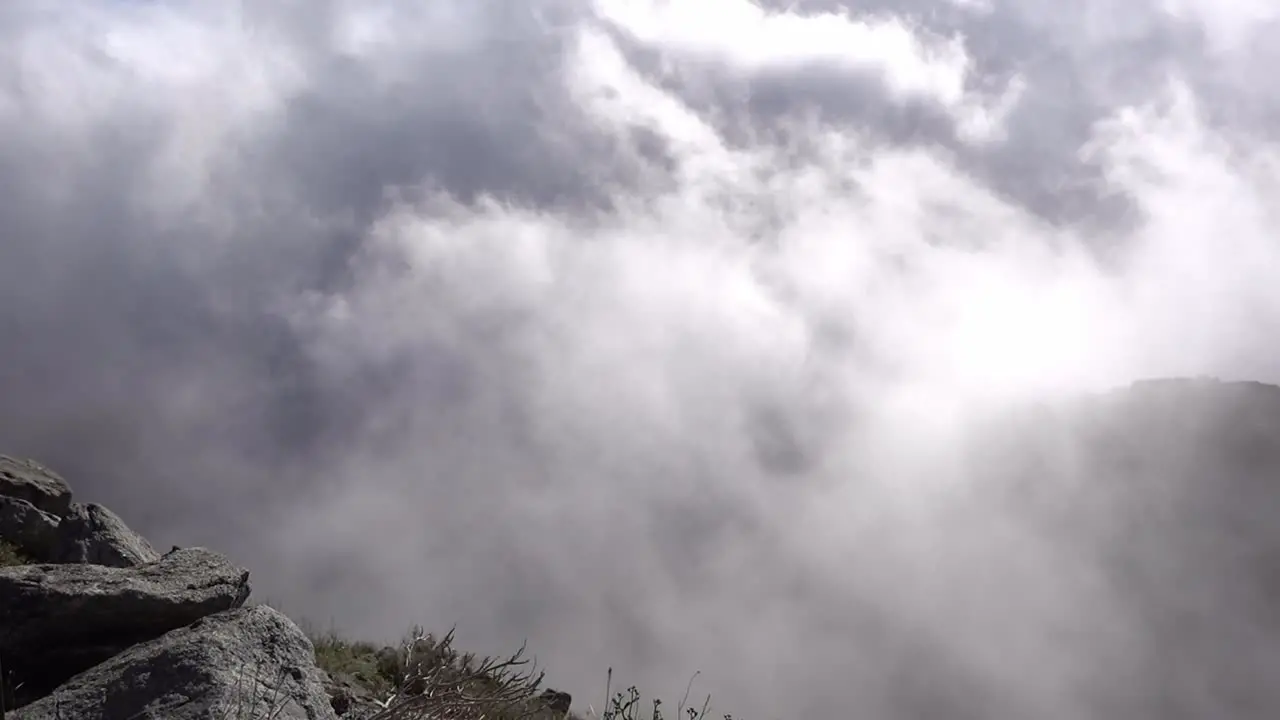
column 62, row 619
column 37, row 516
column 246, row 663
column 102, row 626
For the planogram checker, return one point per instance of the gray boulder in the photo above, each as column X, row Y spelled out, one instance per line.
column 95, row 535
column 33, row 531
column 246, row 663
column 59, row 620
column 35, row 483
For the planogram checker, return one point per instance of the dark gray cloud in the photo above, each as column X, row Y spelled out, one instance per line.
column 648, row 337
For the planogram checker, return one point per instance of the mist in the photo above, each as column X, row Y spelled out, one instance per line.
column 667, row 336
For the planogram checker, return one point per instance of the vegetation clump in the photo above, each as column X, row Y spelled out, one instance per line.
column 427, row 678
column 10, row 556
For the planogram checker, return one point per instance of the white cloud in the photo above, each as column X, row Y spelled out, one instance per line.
column 754, row 39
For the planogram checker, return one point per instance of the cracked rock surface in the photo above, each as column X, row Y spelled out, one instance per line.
column 59, row 620
column 249, row 662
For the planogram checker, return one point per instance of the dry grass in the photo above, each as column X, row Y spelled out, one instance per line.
column 376, row 670
column 425, row 677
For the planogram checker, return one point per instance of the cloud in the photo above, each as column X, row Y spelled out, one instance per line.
column 648, row 333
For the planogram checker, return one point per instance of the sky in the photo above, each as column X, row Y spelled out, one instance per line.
column 641, row 330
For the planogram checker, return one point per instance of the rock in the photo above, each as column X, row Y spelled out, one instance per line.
column 38, row 485
column 37, row 515
column 93, row 534
column 347, row 697
column 33, row 531
column 246, row 663
column 556, row 701
column 58, row 620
